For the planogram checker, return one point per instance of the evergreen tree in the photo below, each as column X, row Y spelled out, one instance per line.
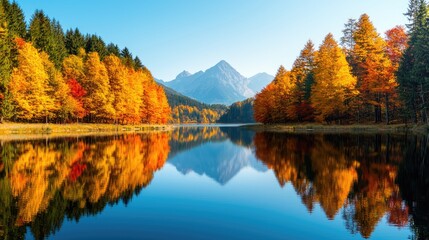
column 347, row 40
column 48, row 36
column 412, row 74
column 5, row 66
column 113, row 49
column 137, row 63
column 301, row 73
column 15, row 18
column 94, row 43
column 127, row 57
column 74, row 40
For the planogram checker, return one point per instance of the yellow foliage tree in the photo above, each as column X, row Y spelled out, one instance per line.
column 334, row 86
column 29, row 85
column 98, row 100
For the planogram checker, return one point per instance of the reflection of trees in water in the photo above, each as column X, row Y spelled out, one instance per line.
column 353, row 172
column 413, row 178
column 45, row 181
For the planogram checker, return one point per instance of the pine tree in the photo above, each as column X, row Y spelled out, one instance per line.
column 15, row 18
column 411, row 73
column 334, row 86
column 5, row 66
column 74, row 40
column 113, row 49
column 302, row 73
column 48, row 36
column 94, row 43
column 347, row 40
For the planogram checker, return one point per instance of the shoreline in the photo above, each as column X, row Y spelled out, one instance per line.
column 354, row 128
column 77, row 128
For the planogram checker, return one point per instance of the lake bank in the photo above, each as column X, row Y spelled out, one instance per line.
column 77, row 128
column 355, row 128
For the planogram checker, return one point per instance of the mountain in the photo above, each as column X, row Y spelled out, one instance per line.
column 220, row 84
column 259, row 81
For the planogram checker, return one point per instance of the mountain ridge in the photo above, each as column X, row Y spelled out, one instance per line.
column 219, row 84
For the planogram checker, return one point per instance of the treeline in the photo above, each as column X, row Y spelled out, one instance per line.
column 365, row 78
column 188, row 110
column 239, row 112
column 47, row 75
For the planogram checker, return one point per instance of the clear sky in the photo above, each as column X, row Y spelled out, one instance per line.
column 254, row 36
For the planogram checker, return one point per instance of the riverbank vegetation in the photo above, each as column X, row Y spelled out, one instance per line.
column 47, row 75
column 364, row 79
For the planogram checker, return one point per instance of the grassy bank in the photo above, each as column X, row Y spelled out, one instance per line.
column 76, row 128
column 354, row 128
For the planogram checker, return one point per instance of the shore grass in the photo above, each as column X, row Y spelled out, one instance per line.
column 353, row 128
column 77, row 128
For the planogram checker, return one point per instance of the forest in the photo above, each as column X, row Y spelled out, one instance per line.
column 365, row 78
column 47, row 75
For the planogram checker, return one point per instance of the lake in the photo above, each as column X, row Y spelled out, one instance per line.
column 215, row 183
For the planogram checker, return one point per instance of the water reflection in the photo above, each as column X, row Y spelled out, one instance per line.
column 359, row 179
column 47, row 180
column 357, row 172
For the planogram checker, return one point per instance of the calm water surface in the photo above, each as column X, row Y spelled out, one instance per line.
column 216, row 183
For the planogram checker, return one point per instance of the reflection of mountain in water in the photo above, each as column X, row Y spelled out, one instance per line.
column 220, row 161
column 217, row 152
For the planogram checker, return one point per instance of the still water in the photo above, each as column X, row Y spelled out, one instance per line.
column 215, row 183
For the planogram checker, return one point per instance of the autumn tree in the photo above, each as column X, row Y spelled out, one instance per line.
column 273, row 102
column 98, row 99
column 29, row 85
column 376, row 81
column 396, row 45
column 334, row 86
column 119, row 86
column 65, row 105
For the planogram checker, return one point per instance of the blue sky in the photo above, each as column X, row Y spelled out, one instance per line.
column 252, row 35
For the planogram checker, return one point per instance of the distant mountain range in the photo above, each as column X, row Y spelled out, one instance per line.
column 220, row 84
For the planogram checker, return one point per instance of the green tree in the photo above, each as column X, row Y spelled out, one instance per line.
column 15, row 18
column 5, row 66
column 48, row 36
column 412, row 74
column 302, row 71
column 74, row 40
column 94, row 43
